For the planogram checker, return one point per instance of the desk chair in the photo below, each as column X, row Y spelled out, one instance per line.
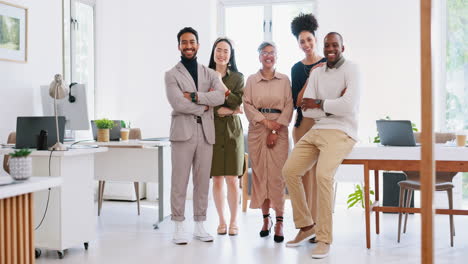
column 135, row 133
column 412, row 183
column 11, row 140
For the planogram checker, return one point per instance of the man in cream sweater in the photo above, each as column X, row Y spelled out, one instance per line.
column 332, row 100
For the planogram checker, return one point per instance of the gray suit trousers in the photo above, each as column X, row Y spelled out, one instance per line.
column 196, row 154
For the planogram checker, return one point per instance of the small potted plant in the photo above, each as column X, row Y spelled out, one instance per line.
column 20, row 164
column 124, row 130
column 104, row 125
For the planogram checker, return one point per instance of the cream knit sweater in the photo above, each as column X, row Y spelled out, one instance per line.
column 327, row 84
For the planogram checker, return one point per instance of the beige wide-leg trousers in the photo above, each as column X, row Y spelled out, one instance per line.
column 196, row 154
column 325, row 148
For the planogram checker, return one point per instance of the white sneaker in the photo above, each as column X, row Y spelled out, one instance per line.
column 180, row 237
column 200, row 233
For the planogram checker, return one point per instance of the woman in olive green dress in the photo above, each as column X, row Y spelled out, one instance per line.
column 228, row 150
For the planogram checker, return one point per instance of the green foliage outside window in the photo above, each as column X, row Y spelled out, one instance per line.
column 457, row 71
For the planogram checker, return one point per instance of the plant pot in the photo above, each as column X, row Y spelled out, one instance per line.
column 20, row 168
column 103, row 135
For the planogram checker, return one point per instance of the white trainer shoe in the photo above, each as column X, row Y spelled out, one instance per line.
column 200, row 233
column 180, row 237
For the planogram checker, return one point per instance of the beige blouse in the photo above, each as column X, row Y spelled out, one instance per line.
column 262, row 93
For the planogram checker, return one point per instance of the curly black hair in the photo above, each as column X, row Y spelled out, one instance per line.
column 304, row 22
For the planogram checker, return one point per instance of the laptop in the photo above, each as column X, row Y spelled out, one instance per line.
column 396, row 133
column 28, row 129
column 114, row 134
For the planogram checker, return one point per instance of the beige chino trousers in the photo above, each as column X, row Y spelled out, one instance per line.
column 308, row 180
column 326, row 149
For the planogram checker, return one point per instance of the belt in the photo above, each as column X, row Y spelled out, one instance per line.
column 198, row 118
column 269, row 110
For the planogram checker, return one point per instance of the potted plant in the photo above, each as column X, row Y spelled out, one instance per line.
column 104, row 125
column 357, row 197
column 20, row 164
column 124, row 130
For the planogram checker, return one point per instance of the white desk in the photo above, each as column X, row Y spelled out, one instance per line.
column 70, row 218
column 375, row 157
column 138, row 161
column 31, row 185
column 16, row 223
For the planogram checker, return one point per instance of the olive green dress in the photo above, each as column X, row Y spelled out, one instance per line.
column 228, row 150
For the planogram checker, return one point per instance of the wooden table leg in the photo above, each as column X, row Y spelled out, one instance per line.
column 367, row 203
column 377, row 198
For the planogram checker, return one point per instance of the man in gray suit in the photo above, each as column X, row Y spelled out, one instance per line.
column 192, row 90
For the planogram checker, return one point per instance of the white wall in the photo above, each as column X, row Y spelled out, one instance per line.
column 383, row 37
column 136, row 42
column 19, row 82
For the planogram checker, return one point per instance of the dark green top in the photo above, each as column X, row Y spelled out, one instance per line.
column 228, row 150
column 234, row 81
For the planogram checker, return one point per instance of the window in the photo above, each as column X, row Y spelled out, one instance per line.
column 79, row 47
column 456, row 66
column 250, row 24
column 456, row 85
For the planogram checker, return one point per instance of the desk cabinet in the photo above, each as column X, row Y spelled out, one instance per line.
column 70, row 220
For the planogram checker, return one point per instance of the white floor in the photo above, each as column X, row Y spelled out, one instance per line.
column 125, row 237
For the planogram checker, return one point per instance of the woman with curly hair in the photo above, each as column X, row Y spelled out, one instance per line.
column 303, row 27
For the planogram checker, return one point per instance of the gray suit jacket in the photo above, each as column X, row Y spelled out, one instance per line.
column 183, row 122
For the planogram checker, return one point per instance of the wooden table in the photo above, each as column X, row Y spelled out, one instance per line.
column 16, row 218
column 376, row 157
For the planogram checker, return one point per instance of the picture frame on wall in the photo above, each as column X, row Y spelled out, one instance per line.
column 13, row 32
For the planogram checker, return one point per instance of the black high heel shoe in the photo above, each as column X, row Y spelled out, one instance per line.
column 278, row 239
column 264, row 233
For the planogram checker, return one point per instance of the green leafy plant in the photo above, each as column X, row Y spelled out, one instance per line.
column 357, row 197
column 124, row 124
column 20, row 153
column 104, row 123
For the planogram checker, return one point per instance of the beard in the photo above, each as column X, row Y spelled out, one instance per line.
column 193, row 56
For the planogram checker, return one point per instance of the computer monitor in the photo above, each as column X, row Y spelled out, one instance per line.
column 76, row 112
column 29, row 127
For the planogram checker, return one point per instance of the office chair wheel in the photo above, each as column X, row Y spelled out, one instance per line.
column 86, row 245
column 37, row 252
column 60, row 254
